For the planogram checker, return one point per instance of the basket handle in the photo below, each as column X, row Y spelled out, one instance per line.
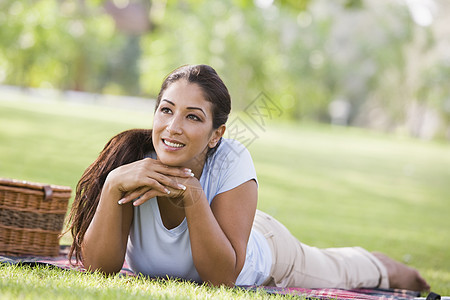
column 48, row 192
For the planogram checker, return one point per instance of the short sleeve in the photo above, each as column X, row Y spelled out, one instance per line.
column 230, row 166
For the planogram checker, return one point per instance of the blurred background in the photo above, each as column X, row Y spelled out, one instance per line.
column 382, row 64
column 358, row 86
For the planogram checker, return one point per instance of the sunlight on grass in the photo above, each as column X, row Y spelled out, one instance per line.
column 330, row 186
column 440, row 280
column 47, row 283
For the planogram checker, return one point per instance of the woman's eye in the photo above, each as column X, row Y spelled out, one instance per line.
column 165, row 110
column 193, row 117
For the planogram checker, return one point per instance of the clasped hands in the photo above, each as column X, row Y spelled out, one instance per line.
column 144, row 179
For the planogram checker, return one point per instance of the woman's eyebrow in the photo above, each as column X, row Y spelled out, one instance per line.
column 197, row 108
column 170, row 102
column 189, row 107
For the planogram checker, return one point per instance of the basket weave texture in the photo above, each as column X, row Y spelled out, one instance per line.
column 31, row 217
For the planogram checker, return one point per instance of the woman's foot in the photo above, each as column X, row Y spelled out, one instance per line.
column 401, row 276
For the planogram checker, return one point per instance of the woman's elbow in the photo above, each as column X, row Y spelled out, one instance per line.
column 103, row 264
column 91, row 266
column 226, row 278
column 228, row 282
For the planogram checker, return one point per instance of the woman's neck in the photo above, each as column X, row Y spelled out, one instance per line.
column 197, row 164
column 197, row 167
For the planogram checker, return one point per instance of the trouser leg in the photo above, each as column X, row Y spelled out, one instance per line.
column 295, row 264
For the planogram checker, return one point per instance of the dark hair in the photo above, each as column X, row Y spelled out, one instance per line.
column 133, row 145
column 124, row 148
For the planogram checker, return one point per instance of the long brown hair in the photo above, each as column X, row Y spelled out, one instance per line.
column 124, row 148
column 132, row 145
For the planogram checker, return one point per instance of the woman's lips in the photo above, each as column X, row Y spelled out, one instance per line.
column 173, row 144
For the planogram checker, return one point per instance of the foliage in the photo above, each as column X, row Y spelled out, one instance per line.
column 62, row 44
column 305, row 54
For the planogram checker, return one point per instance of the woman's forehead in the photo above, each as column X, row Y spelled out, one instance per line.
column 185, row 94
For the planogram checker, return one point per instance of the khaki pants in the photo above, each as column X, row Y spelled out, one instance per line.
column 298, row 265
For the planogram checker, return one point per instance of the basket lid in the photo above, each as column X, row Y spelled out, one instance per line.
column 33, row 185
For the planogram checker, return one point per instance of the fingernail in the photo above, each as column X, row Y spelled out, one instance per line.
column 189, row 172
column 121, row 201
column 182, row 187
column 167, row 191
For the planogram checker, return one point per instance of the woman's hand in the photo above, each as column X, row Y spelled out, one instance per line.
column 145, row 179
column 191, row 192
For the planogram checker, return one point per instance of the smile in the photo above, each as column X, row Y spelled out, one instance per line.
column 172, row 144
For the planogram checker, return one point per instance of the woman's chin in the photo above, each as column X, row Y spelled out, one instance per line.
column 170, row 161
column 172, row 164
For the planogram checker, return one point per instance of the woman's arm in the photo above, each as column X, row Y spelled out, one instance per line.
column 219, row 233
column 105, row 242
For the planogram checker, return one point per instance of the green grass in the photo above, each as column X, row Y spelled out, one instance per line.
column 331, row 187
column 48, row 283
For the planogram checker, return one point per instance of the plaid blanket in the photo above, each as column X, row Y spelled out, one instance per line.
column 338, row 294
column 62, row 262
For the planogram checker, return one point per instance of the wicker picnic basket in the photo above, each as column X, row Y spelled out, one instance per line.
column 31, row 217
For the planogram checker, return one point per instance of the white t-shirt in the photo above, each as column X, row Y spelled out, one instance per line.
column 156, row 251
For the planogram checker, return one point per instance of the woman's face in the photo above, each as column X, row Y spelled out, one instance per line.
column 182, row 126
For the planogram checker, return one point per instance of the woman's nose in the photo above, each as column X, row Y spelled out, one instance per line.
column 174, row 126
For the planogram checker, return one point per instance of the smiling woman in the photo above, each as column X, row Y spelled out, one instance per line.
column 183, row 129
column 180, row 201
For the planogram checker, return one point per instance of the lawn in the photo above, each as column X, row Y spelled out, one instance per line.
column 330, row 186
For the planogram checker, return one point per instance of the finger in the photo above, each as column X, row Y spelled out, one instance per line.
column 147, row 196
column 172, row 171
column 168, row 181
column 176, row 193
column 154, row 182
column 141, row 198
column 131, row 196
column 147, row 186
column 150, row 185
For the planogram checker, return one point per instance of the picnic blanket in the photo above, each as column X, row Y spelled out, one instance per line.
column 62, row 262
column 340, row 294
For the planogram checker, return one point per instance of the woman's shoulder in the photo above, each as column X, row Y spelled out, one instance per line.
column 229, row 153
column 231, row 146
column 230, row 166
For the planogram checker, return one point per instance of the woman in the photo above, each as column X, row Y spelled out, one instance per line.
column 180, row 201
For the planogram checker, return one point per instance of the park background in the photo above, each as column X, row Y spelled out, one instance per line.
column 352, row 98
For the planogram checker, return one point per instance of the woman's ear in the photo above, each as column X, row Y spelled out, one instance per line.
column 217, row 134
